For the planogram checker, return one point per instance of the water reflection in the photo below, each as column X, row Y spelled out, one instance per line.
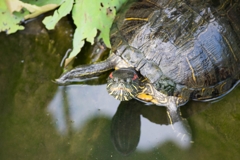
column 83, row 104
column 134, row 124
column 153, row 135
column 134, row 118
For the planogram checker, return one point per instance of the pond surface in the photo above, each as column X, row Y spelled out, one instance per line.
column 41, row 120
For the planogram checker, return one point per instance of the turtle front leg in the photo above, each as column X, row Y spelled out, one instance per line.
column 166, row 86
column 179, row 125
column 85, row 72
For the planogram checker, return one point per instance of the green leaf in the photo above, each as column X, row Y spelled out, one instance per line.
column 9, row 22
column 43, row 2
column 12, row 12
column 90, row 17
column 38, row 7
column 36, row 11
column 64, row 9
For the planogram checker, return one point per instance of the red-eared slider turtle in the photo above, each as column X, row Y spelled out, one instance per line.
column 168, row 52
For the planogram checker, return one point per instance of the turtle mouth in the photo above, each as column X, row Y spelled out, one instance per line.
column 121, row 91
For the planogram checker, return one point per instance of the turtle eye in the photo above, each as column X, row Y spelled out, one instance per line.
column 115, row 79
column 111, row 76
column 135, row 77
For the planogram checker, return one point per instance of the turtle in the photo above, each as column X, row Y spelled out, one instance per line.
column 168, row 52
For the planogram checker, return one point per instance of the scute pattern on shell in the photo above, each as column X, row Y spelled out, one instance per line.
column 194, row 44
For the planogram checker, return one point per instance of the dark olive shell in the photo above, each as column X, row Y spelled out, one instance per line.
column 195, row 44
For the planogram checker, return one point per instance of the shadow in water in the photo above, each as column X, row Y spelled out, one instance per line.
column 134, row 125
column 126, row 128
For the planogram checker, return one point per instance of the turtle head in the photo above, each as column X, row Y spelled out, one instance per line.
column 123, row 84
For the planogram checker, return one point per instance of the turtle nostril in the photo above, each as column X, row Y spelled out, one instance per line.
column 128, row 80
column 121, row 85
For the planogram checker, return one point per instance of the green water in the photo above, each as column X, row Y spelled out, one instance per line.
column 40, row 120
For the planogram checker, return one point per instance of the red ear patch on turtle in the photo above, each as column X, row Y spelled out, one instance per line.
column 111, row 76
column 135, row 77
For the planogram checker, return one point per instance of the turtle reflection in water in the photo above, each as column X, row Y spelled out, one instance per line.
column 169, row 52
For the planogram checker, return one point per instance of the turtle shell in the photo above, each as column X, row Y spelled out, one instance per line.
column 195, row 44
